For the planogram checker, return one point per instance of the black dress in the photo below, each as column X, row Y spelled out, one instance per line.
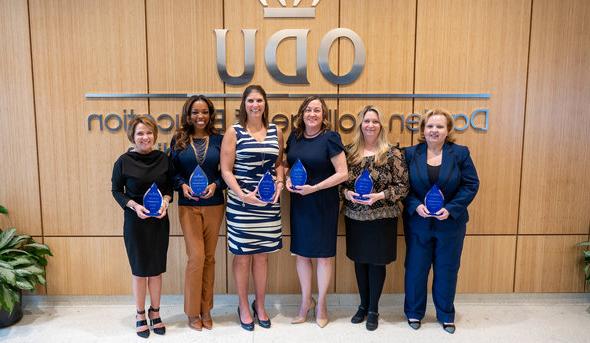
column 146, row 240
column 314, row 217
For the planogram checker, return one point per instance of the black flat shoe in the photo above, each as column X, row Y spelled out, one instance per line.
column 414, row 324
column 372, row 321
column 450, row 328
column 263, row 323
column 245, row 326
column 153, row 322
column 359, row 316
column 145, row 333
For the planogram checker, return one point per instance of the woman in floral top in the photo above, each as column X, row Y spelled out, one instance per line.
column 371, row 225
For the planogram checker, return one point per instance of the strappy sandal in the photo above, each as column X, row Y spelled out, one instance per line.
column 155, row 321
column 139, row 323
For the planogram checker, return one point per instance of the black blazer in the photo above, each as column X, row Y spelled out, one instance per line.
column 457, row 180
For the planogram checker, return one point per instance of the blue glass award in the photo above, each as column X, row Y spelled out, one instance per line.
column 363, row 185
column 198, row 181
column 434, row 200
column 298, row 174
column 266, row 188
column 152, row 200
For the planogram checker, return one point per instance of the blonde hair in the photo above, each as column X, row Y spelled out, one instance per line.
column 355, row 155
column 437, row 112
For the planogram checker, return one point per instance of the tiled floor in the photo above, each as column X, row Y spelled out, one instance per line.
column 480, row 318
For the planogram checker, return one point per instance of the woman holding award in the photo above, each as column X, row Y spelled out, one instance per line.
column 443, row 182
column 251, row 165
column 195, row 152
column 371, row 218
column 318, row 154
column 142, row 186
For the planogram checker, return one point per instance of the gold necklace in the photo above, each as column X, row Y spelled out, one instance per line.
column 201, row 150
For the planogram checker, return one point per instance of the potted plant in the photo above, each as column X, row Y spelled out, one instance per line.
column 586, row 259
column 22, row 262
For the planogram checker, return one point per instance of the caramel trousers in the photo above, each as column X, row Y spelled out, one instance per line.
column 200, row 226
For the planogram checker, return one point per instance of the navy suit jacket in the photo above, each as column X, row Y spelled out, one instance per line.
column 457, row 180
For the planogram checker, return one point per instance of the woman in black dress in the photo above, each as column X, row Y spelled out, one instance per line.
column 146, row 238
column 314, row 206
column 371, row 224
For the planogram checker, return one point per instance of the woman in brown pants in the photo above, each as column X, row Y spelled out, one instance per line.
column 197, row 143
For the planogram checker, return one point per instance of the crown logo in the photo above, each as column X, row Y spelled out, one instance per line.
column 289, row 12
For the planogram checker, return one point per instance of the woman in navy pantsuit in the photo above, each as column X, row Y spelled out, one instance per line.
column 436, row 239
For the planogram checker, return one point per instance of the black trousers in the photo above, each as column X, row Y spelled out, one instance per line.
column 370, row 279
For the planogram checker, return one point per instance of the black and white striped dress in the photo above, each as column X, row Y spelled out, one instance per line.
column 253, row 229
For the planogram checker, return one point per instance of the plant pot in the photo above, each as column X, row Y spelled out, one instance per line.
column 7, row 319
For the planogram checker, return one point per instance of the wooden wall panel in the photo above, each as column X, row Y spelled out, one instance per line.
column 80, row 47
column 487, row 264
column 282, row 273
column 389, row 65
column 175, row 271
column 555, row 156
column 549, row 264
column 88, row 266
column 99, row 266
column 480, row 47
column 17, row 112
column 477, row 274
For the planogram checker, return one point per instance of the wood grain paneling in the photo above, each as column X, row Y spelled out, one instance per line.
column 555, row 155
column 18, row 138
column 80, row 47
column 88, row 266
column 487, row 264
column 549, row 264
column 99, row 266
column 175, row 271
column 282, row 273
column 480, row 47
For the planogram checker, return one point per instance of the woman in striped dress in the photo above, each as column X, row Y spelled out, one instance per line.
column 249, row 149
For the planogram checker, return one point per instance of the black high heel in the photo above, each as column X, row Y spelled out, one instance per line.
column 245, row 326
column 372, row 321
column 160, row 330
column 263, row 323
column 450, row 328
column 359, row 316
column 414, row 324
column 145, row 333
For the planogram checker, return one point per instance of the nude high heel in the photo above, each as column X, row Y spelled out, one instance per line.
column 302, row 319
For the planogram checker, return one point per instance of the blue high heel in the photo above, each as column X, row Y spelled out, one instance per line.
column 245, row 326
column 263, row 323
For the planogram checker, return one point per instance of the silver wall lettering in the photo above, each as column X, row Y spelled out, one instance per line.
column 359, row 56
column 270, row 56
column 249, row 54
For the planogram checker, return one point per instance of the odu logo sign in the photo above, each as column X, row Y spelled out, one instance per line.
column 343, row 119
column 300, row 35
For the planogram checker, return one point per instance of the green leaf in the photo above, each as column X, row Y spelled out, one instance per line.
column 8, row 297
column 37, row 249
column 25, row 284
column 21, row 260
column 3, row 210
column 34, row 269
column 6, row 236
column 8, row 275
column 581, row 244
column 18, row 239
column 41, row 279
column 23, row 272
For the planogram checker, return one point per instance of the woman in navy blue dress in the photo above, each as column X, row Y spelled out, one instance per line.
column 314, row 206
column 249, row 149
column 436, row 239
